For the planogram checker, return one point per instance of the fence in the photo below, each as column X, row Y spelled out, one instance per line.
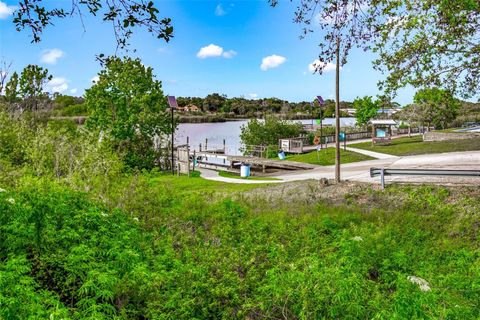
column 294, row 145
column 349, row 136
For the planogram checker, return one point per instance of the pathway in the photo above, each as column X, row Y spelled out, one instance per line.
column 213, row 175
column 373, row 154
column 359, row 171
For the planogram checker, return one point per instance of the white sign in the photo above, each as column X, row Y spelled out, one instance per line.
column 285, row 145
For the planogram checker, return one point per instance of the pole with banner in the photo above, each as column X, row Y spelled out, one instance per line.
column 321, row 102
column 312, row 115
column 172, row 102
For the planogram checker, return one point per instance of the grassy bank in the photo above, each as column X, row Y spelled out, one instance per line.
column 415, row 145
column 326, row 157
column 348, row 252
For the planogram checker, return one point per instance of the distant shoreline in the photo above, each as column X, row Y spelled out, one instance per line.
column 207, row 118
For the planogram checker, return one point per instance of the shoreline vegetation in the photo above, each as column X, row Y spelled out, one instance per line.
column 205, row 118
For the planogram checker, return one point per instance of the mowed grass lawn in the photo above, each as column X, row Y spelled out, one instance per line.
column 326, row 157
column 232, row 175
column 181, row 185
column 412, row 146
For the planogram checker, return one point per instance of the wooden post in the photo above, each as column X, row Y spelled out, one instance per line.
column 206, row 144
column 224, row 149
column 200, row 147
column 337, row 113
column 194, row 160
column 187, row 140
column 178, row 162
column 373, row 133
column 188, row 161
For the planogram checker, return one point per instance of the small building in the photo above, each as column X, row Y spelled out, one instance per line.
column 192, row 108
column 188, row 108
column 382, row 130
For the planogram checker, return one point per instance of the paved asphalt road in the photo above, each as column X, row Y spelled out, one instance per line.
column 359, row 171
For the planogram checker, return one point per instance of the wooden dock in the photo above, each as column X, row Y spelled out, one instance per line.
column 270, row 163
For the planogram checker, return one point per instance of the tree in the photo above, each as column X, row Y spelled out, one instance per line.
column 268, row 132
column 128, row 105
column 11, row 89
column 4, row 71
column 441, row 104
column 62, row 101
column 213, row 102
column 344, row 25
column 365, row 109
column 424, row 42
column 31, row 86
column 124, row 15
column 428, row 42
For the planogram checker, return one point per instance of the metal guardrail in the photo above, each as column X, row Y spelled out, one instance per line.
column 382, row 172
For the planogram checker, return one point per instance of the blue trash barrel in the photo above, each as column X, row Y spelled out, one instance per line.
column 245, row 170
column 281, row 155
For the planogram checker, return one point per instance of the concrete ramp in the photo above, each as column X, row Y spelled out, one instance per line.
column 271, row 163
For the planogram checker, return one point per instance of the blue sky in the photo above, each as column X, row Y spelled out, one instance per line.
column 236, row 36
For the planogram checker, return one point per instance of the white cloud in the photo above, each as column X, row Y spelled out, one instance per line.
column 50, row 56
column 58, row 84
column 219, row 11
column 95, row 79
column 229, row 54
column 6, row 10
column 253, row 95
column 327, row 67
column 272, row 61
column 209, row 51
column 73, row 91
column 212, row 51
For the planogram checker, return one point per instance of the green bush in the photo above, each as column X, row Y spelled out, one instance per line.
column 268, row 132
column 74, row 110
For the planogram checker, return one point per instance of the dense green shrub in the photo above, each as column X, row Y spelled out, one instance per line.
column 15, row 134
column 267, row 132
column 73, row 110
column 58, row 149
column 165, row 256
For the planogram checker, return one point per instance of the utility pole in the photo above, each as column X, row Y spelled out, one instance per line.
column 337, row 113
column 173, row 136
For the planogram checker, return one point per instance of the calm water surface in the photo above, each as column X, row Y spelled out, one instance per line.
column 230, row 131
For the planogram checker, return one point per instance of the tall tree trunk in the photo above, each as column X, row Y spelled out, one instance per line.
column 337, row 114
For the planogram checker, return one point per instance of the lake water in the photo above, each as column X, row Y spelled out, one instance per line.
column 230, row 131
